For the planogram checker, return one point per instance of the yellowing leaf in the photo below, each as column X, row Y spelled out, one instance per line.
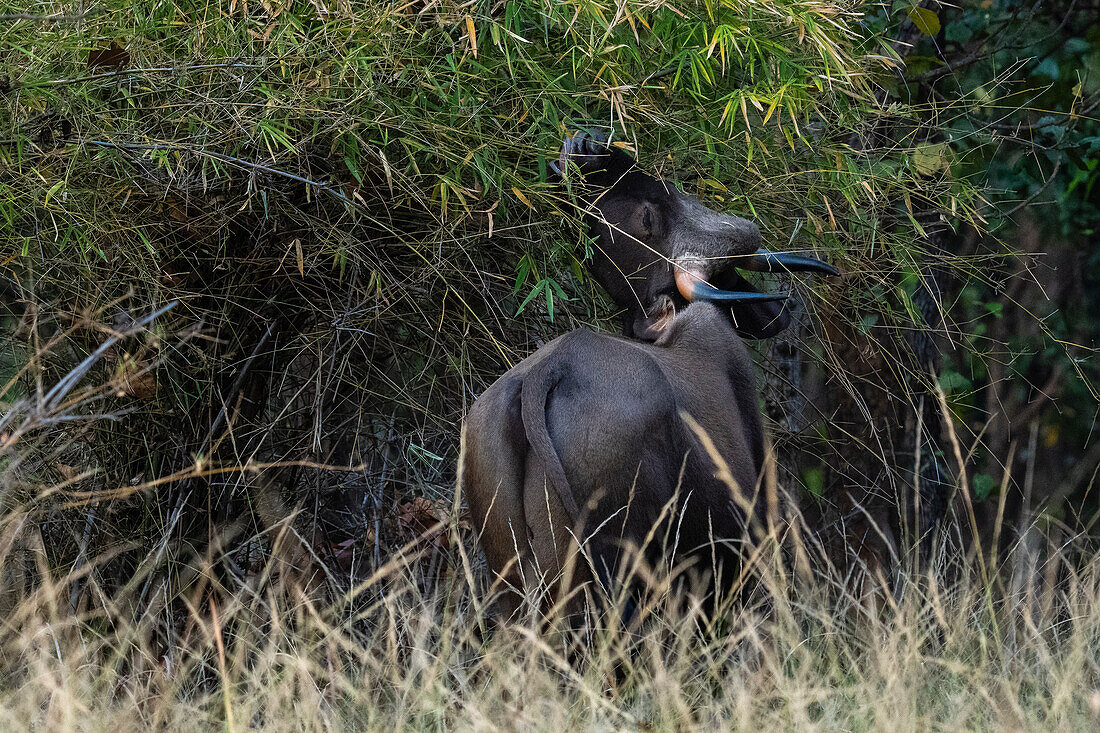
column 53, row 190
column 521, row 197
column 472, row 33
column 300, row 257
column 832, row 219
column 926, row 21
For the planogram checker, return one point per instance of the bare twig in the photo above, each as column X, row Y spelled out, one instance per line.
column 133, row 72
column 1032, row 197
column 57, row 393
column 56, row 18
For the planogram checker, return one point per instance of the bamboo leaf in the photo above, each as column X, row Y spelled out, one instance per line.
column 926, row 21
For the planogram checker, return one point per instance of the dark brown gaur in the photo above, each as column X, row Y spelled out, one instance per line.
column 597, row 441
column 657, row 247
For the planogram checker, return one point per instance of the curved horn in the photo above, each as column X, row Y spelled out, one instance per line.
column 764, row 261
column 600, row 164
column 692, row 287
column 703, row 291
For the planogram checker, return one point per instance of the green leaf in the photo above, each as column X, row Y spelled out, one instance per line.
column 951, row 380
column 521, row 273
column 577, row 268
column 929, row 158
column 1058, row 132
column 1047, row 67
column 814, row 481
column 539, row 287
column 558, row 290
column 983, row 485
column 958, row 32
column 422, row 453
column 353, row 168
column 916, row 65
column 926, row 21
column 1074, row 46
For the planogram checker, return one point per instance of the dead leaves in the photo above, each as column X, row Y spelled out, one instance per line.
column 425, row 519
column 422, row 527
column 112, row 56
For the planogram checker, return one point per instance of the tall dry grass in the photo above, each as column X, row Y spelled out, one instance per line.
column 155, row 631
column 390, row 655
column 213, row 642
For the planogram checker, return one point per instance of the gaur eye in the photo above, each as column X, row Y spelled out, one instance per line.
column 647, row 219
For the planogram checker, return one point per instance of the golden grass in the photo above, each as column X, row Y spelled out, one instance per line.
column 397, row 652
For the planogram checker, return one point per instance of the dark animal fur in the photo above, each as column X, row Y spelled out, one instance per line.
column 585, row 439
column 644, row 226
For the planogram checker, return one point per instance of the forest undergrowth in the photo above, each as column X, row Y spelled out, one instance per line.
column 257, row 259
column 416, row 644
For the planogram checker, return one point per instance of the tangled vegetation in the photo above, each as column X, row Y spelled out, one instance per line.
column 257, row 259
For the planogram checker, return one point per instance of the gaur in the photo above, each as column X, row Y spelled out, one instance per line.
column 597, row 438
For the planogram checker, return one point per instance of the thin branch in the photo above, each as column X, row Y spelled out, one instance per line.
column 56, row 18
column 150, row 70
column 239, row 162
column 66, row 383
column 1032, row 197
column 237, row 385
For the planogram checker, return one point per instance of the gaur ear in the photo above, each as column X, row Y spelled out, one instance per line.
column 653, row 326
column 589, row 154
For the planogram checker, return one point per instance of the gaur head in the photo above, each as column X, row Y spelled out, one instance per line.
column 658, row 249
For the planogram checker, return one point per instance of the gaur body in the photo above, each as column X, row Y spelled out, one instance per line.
column 585, row 439
column 650, row 441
